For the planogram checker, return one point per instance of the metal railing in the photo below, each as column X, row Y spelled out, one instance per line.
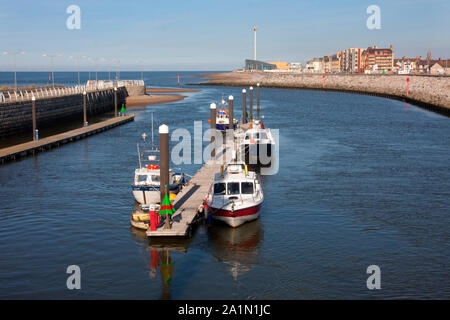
column 41, row 93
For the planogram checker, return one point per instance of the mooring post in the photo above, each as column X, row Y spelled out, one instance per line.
column 84, row 109
column 251, row 104
column 212, row 111
column 33, row 112
column 244, row 106
column 115, row 102
column 164, row 166
column 257, row 100
column 231, row 112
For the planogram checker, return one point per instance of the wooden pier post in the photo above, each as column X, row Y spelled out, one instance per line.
column 164, row 166
column 115, row 101
column 251, row 104
column 212, row 111
column 33, row 113
column 257, row 100
column 231, row 112
column 244, row 106
column 84, row 109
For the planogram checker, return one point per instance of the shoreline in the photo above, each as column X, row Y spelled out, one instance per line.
column 157, row 96
column 431, row 93
column 143, row 100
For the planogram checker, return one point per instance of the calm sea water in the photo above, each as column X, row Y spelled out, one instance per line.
column 362, row 181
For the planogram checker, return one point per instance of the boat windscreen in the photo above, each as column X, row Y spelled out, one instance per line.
column 155, row 178
column 219, row 188
column 233, row 188
column 247, row 187
column 142, row 178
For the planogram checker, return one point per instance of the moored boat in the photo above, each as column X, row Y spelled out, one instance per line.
column 223, row 117
column 257, row 144
column 236, row 195
column 146, row 183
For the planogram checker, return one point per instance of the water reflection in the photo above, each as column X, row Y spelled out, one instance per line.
column 236, row 247
column 160, row 258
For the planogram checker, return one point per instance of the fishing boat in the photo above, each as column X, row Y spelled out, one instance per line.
column 146, row 183
column 236, row 195
column 223, row 117
column 256, row 144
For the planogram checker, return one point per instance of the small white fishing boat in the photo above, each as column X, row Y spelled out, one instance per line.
column 257, row 144
column 236, row 195
column 146, row 183
column 223, row 117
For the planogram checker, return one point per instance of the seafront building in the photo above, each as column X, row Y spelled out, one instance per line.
column 377, row 60
column 253, row 65
column 371, row 60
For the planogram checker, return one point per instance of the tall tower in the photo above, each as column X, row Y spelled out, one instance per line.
column 429, row 55
column 254, row 55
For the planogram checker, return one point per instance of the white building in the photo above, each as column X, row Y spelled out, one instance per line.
column 314, row 66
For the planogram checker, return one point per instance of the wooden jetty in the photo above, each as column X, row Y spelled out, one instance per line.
column 190, row 199
column 32, row 147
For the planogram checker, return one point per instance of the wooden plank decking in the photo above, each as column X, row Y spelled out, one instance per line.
column 32, row 147
column 190, row 198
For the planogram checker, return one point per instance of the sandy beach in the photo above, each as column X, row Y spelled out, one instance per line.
column 143, row 100
column 170, row 90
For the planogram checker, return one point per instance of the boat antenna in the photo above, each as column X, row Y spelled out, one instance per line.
column 152, row 130
column 139, row 156
column 144, row 136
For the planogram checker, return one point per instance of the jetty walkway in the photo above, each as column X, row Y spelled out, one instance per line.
column 33, row 147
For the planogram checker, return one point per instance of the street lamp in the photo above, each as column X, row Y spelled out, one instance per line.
column 94, row 60
column 118, row 69
column 14, row 54
column 77, row 58
column 141, row 62
column 51, row 56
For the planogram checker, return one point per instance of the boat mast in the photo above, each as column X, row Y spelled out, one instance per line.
column 139, row 156
column 152, row 131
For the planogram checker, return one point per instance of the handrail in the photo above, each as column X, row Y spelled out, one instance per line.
column 39, row 93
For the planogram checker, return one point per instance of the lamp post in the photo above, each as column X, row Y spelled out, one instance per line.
column 52, row 56
column 94, row 60
column 14, row 54
column 141, row 63
column 118, row 69
column 77, row 58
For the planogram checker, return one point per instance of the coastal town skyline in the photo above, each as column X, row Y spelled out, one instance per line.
column 141, row 36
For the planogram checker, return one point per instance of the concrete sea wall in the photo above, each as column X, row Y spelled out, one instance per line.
column 16, row 117
column 425, row 91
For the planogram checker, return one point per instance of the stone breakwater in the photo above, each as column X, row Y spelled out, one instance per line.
column 16, row 117
column 425, row 91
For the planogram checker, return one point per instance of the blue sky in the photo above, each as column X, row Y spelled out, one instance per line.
column 213, row 35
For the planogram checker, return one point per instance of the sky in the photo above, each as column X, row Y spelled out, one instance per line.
column 212, row 35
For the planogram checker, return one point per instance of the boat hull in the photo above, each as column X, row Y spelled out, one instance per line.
column 259, row 154
column 223, row 126
column 236, row 218
column 150, row 194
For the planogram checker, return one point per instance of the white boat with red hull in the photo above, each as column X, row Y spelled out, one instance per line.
column 235, row 196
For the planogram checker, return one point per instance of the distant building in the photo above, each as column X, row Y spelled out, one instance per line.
column 316, row 65
column 295, row 66
column 258, row 65
column 377, row 60
column 280, row 65
column 348, row 60
column 436, row 68
column 405, row 66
